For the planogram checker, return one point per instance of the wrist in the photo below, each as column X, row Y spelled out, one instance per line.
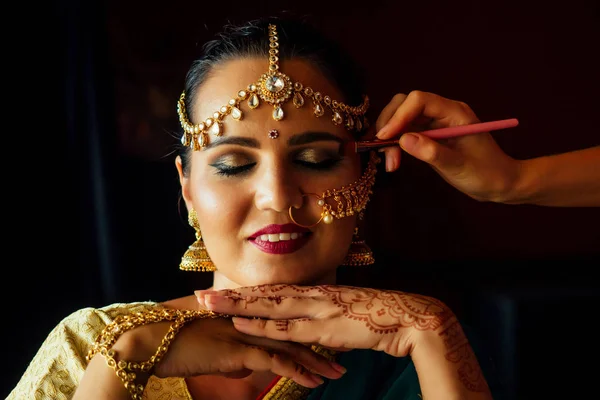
column 436, row 378
column 446, row 365
column 140, row 343
column 130, row 356
column 522, row 187
column 127, row 341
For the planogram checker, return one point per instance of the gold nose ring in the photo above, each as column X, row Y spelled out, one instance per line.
column 326, row 215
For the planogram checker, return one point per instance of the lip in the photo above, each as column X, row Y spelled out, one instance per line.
column 283, row 246
column 275, row 228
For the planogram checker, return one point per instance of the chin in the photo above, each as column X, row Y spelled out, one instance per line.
column 293, row 278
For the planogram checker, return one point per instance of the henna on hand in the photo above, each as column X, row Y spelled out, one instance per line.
column 460, row 351
column 383, row 312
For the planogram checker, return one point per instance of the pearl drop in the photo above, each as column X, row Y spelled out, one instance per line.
column 328, row 219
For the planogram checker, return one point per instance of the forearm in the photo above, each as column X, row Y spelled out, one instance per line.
column 564, row 180
column 101, row 382
column 447, row 367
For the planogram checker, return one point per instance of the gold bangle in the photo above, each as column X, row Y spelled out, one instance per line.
column 128, row 371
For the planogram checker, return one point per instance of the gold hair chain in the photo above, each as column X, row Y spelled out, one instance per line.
column 274, row 88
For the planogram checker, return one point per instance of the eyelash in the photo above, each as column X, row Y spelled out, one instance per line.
column 224, row 170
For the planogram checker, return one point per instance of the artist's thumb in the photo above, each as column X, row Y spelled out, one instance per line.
column 433, row 153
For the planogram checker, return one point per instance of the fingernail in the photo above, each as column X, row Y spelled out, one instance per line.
column 213, row 300
column 317, row 379
column 240, row 321
column 200, row 297
column 203, row 293
column 390, row 163
column 339, row 368
column 381, row 132
column 408, row 141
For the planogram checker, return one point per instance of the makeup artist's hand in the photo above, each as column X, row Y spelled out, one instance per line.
column 473, row 164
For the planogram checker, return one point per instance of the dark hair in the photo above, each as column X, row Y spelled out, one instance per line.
column 298, row 39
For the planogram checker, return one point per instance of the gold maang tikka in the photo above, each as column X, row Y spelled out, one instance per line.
column 274, row 88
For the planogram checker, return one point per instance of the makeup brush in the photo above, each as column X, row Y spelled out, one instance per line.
column 442, row 133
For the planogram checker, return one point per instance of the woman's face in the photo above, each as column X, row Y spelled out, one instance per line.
column 244, row 182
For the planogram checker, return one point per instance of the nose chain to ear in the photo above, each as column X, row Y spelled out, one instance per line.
column 349, row 200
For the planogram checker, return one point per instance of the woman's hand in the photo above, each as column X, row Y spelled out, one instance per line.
column 208, row 347
column 214, row 346
column 473, row 164
column 345, row 318
column 337, row 317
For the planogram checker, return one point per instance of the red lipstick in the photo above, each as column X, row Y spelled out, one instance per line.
column 274, row 228
column 282, row 246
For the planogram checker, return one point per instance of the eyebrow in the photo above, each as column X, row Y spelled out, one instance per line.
column 237, row 140
column 296, row 140
column 309, row 137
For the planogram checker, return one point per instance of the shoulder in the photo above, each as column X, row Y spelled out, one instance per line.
column 82, row 326
column 102, row 316
column 86, row 323
column 59, row 364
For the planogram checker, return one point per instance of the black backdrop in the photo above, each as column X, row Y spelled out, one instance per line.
column 102, row 219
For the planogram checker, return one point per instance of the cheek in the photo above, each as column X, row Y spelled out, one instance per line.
column 220, row 214
column 334, row 241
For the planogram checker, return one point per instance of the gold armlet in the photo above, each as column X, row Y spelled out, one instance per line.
column 127, row 371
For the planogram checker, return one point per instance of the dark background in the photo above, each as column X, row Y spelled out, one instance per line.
column 99, row 218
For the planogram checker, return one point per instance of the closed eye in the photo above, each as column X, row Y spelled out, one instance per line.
column 321, row 165
column 223, row 169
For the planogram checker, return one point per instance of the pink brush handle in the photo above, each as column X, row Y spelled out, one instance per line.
column 462, row 130
column 442, row 133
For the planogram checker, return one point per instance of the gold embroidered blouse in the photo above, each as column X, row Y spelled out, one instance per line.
column 58, row 366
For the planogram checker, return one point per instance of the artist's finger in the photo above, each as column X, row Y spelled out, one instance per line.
column 418, row 104
column 445, row 160
column 393, row 155
column 389, row 110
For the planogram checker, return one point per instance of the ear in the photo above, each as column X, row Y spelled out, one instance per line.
column 184, row 181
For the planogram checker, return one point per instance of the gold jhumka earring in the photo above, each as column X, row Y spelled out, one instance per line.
column 196, row 257
column 359, row 253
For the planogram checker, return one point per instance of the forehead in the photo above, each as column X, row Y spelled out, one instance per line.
column 228, row 78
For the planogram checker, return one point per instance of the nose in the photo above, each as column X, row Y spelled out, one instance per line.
column 277, row 190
